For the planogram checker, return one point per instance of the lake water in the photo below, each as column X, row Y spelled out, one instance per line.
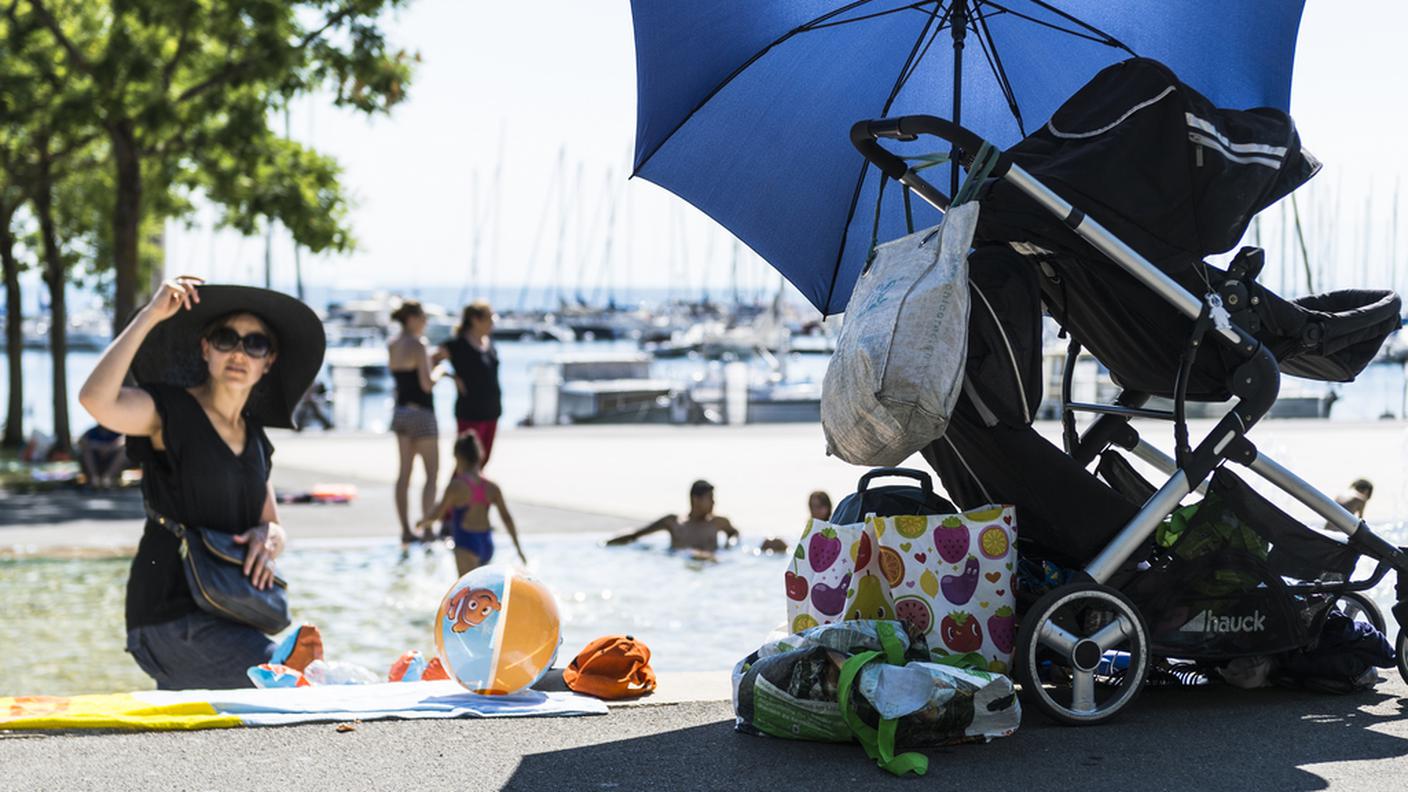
column 372, row 602
column 517, row 360
column 1379, row 390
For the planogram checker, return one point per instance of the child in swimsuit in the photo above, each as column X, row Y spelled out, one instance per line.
column 465, row 509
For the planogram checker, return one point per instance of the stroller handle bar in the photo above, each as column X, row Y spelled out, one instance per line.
column 865, row 133
column 864, row 136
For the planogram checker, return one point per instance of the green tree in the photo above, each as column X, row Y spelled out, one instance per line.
column 14, row 341
column 184, row 91
column 42, row 138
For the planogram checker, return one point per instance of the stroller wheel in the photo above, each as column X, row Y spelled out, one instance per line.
column 1359, row 607
column 1401, row 649
column 1082, row 653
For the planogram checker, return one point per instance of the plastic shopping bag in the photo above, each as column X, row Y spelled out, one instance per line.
column 898, row 367
column 869, row 681
column 950, row 577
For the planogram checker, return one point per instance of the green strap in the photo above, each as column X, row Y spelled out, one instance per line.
column 970, row 661
column 921, row 161
column 926, row 160
column 875, row 227
column 983, row 163
column 879, row 744
column 890, row 642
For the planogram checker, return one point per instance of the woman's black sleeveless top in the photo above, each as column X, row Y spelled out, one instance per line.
column 198, row 481
column 409, row 391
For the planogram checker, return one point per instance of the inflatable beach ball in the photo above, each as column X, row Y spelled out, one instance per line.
column 497, row 630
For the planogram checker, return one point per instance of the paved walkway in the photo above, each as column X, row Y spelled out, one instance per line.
column 1192, row 739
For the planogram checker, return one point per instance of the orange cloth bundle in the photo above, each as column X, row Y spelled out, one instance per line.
column 612, row 667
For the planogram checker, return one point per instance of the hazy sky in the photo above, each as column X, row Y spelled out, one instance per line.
column 511, row 85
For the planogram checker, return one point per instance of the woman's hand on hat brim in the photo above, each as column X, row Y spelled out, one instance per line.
column 175, row 294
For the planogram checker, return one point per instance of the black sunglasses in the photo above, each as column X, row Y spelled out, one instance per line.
column 227, row 339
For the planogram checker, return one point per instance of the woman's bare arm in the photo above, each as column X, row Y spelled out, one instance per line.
column 662, row 524
column 131, row 411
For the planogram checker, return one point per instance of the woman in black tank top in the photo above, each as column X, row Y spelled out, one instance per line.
column 413, row 420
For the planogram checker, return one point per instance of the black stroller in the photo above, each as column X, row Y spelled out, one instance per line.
column 1104, row 217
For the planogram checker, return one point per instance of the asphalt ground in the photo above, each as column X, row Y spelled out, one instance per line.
column 1211, row 738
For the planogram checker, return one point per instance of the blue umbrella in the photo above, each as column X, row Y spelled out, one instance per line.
column 744, row 108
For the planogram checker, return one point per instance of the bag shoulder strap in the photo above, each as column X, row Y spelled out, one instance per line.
column 176, row 528
column 879, row 744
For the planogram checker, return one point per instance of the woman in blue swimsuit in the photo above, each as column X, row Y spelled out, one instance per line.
column 465, row 509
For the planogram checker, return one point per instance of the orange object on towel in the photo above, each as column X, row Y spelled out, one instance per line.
column 434, row 671
column 612, row 667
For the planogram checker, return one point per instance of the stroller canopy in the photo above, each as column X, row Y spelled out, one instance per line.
column 1154, row 162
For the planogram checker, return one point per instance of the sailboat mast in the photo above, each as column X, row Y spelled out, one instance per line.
column 542, row 227
column 496, row 208
column 563, row 215
column 1393, row 240
column 475, row 233
column 1364, row 235
column 737, row 300
column 604, row 281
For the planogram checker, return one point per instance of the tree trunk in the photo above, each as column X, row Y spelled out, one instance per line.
column 126, row 222
column 55, row 275
column 14, row 339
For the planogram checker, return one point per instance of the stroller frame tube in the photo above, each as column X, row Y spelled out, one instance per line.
column 1112, row 246
column 1301, row 490
column 1138, row 530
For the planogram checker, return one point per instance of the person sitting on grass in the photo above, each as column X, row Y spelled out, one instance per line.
column 698, row 531
column 465, row 509
column 102, row 453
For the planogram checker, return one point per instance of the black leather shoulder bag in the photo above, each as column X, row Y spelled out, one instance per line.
column 214, row 566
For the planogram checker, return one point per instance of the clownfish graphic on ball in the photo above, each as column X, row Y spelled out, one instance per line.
column 470, row 607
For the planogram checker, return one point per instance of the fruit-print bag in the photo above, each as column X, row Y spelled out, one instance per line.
column 950, row 577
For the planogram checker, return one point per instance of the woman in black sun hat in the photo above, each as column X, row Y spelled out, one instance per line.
column 214, row 366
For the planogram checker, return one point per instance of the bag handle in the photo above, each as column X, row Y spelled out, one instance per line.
column 925, row 482
column 879, row 744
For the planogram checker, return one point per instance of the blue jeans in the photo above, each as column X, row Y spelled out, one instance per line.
column 198, row 650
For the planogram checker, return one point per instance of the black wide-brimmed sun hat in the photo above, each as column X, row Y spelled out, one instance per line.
column 171, row 352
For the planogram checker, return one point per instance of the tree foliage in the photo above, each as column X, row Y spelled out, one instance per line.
column 184, row 91
column 118, row 114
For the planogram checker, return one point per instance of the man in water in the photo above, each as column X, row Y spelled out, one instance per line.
column 1355, row 499
column 698, row 531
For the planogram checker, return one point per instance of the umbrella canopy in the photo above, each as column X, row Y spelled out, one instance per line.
column 744, row 109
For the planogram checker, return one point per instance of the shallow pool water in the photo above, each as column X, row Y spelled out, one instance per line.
column 63, row 631
column 62, row 623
